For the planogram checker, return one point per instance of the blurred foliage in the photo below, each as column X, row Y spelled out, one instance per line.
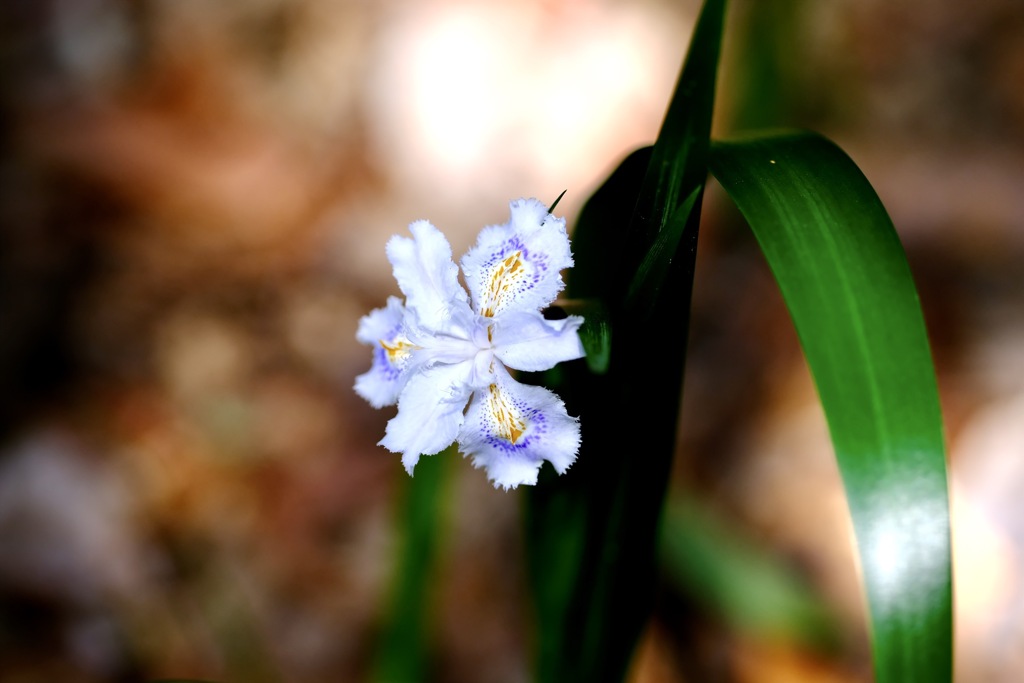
column 403, row 652
column 734, row 579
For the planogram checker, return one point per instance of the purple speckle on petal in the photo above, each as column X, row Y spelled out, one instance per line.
column 536, row 429
column 382, row 360
column 387, row 369
column 539, row 264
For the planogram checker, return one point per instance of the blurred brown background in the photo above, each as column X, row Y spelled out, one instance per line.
column 194, row 203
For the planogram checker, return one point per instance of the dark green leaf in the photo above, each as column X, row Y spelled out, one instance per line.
column 845, row 279
column 551, row 209
column 650, row 277
column 592, row 533
column 402, row 651
column 595, row 333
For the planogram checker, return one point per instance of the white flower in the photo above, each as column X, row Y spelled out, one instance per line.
column 442, row 349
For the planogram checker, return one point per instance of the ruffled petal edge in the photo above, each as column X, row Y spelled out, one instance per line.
column 528, row 342
column 426, row 274
column 383, row 382
column 430, row 413
column 517, row 266
column 512, row 428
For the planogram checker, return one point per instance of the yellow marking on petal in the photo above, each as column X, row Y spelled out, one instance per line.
column 503, row 276
column 509, row 423
column 397, row 350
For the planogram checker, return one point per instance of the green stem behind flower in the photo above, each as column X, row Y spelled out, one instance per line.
column 402, row 652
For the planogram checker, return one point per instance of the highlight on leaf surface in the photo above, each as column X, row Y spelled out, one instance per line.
column 844, row 276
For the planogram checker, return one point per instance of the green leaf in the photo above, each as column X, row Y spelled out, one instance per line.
column 595, row 332
column 650, row 277
column 591, row 534
column 596, row 337
column 601, row 233
column 845, row 279
column 401, row 655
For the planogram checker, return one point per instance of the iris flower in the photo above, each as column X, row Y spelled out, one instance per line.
column 444, row 355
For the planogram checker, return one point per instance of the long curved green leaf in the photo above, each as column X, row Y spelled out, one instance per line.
column 845, row 279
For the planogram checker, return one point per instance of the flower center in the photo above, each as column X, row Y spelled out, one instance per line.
column 509, row 424
column 398, row 349
column 504, row 276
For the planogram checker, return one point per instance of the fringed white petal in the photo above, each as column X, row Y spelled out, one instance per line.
column 516, row 266
column 512, row 428
column 426, row 274
column 430, row 412
column 528, row 342
column 384, row 330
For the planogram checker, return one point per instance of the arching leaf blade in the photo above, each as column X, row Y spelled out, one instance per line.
column 844, row 276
